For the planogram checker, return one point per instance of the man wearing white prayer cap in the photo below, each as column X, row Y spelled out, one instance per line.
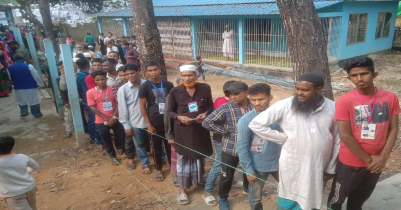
column 228, row 43
column 189, row 104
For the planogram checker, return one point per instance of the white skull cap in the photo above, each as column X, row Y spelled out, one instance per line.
column 187, row 68
column 87, row 55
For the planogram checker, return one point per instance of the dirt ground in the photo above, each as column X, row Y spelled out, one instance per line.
column 80, row 178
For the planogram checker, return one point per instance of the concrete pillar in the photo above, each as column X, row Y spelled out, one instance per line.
column 73, row 96
column 194, row 48
column 241, row 45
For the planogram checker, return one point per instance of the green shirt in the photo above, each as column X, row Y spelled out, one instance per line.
column 90, row 39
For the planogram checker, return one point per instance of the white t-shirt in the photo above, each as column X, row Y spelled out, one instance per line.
column 14, row 177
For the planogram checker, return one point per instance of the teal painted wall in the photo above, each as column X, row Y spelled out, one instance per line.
column 371, row 44
column 333, row 8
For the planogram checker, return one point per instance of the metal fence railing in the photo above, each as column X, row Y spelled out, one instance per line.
column 265, row 42
column 113, row 25
column 175, row 36
column 131, row 27
column 209, row 38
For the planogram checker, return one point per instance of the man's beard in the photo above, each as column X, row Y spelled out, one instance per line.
column 305, row 107
column 189, row 86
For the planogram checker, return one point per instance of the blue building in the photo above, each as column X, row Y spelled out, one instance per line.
column 194, row 27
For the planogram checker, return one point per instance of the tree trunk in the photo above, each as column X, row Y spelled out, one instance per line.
column 28, row 14
column 148, row 35
column 305, row 40
column 44, row 8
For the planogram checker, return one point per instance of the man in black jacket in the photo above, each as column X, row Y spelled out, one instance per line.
column 100, row 41
column 120, row 51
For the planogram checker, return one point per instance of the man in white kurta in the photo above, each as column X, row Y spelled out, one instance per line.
column 26, row 80
column 228, row 43
column 310, row 142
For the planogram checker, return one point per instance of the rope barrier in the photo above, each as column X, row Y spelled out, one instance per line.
column 214, row 160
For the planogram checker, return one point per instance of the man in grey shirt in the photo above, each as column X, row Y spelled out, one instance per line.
column 130, row 116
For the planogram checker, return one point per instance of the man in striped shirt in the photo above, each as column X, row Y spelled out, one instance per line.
column 122, row 75
column 228, row 115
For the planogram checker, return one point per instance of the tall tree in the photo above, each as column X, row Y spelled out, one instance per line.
column 44, row 8
column 148, row 34
column 27, row 14
column 305, row 40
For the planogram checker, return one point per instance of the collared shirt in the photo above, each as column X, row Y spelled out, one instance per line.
column 128, row 106
column 310, row 147
column 256, row 153
column 81, row 85
column 111, row 81
column 228, row 115
column 119, row 65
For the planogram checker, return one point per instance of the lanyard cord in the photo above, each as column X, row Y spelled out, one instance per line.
column 106, row 98
column 157, row 90
column 373, row 105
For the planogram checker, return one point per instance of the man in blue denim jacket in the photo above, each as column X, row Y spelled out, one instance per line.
column 259, row 157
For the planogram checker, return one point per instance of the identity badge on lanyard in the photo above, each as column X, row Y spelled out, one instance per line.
column 368, row 130
column 193, row 105
column 107, row 105
column 159, row 94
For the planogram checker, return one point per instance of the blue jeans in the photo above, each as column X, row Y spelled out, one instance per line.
column 139, row 141
column 201, row 73
column 255, row 189
column 215, row 171
column 119, row 134
column 35, row 110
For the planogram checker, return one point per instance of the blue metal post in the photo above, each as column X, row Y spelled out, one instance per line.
column 51, row 59
column 99, row 24
column 241, row 45
column 73, row 93
column 18, row 36
column 32, row 50
column 125, row 25
column 194, row 47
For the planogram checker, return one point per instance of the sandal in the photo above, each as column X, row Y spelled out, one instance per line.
column 67, row 135
column 182, row 199
column 209, row 199
column 175, row 181
column 146, row 167
column 131, row 166
column 159, row 176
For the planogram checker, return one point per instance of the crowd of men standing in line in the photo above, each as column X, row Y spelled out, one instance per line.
column 302, row 141
column 297, row 140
